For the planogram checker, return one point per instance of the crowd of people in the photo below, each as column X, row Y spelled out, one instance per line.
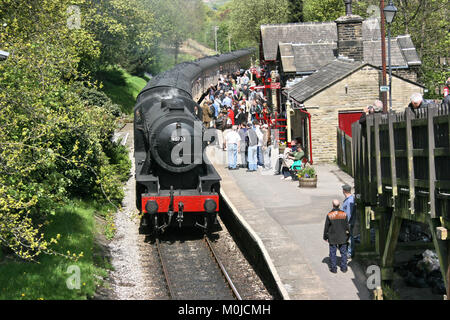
column 232, row 102
column 243, row 119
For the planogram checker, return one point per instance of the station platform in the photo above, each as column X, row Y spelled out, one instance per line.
column 289, row 222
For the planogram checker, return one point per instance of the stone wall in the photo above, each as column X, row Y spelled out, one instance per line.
column 409, row 74
column 352, row 93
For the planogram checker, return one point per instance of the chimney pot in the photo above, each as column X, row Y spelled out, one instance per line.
column 348, row 7
column 349, row 30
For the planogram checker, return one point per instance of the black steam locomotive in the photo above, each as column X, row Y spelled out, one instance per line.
column 175, row 184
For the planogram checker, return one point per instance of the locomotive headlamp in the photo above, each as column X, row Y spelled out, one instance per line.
column 210, row 205
column 151, row 207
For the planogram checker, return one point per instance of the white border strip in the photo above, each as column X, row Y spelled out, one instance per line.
column 266, row 256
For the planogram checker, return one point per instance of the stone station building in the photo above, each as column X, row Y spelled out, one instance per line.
column 332, row 70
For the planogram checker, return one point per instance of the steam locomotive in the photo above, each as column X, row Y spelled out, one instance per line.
column 175, row 183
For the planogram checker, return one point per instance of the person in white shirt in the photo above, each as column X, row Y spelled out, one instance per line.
column 233, row 141
column 260, row 135
column 244, row 79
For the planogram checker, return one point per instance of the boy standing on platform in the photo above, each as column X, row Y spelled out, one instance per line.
column 348, row 206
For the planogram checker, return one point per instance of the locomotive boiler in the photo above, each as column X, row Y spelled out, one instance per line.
column 175, row 183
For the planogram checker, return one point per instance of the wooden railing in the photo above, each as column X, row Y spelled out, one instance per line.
column 402, row 171
column 344, row 156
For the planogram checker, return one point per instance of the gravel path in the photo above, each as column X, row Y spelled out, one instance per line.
column 131, row 278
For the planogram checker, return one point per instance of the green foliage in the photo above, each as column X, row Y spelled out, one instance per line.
column 248, row 16
column 323, row 10
column 296, row 11
column 389, row 293
column 53, row 132
column 125, row 30
column 74, row 225
column 307, row 171
column 121, row 87
column 176, row 21
column 428, row 24
column 94, row 97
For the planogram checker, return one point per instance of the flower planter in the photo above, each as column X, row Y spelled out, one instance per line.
column 307, row 182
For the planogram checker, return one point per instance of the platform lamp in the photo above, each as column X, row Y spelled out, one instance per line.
column 389, row 12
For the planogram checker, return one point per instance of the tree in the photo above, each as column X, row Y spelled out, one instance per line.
column 125, row 30
column 296, row 11
column 53, row 141
column 177, row 21
column 248, row 16
column 428, row 24
column 323, row 10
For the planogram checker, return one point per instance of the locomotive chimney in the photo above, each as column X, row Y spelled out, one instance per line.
column 349, row 30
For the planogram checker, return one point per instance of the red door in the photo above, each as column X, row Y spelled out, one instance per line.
column 346, row 119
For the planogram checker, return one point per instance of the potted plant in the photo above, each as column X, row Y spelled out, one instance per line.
column 307, row 177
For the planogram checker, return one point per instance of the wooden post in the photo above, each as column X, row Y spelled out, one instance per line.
column 364, row 226
column 409, row 146
column 355, row 155
column 380, row 239
column 448, row 267
column 387, row 260
column 369, row 123
column 432, row 171
column 392, row 154
column 377, row 153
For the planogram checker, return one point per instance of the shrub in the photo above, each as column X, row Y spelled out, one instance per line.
column 53, row 132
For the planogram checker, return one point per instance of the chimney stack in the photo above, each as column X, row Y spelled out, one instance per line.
column 348, row 7
column 349, row 30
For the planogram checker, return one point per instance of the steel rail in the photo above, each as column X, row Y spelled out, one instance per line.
column 166, row 274
column 222, row 268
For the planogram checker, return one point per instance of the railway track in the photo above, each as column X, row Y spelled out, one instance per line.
column 193, row 271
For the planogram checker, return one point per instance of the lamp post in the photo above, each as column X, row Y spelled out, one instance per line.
column 389, row 12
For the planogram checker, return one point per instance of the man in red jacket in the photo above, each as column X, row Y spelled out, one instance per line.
column 336, row 233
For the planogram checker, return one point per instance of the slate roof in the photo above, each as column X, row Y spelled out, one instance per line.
column 323, row 78
column 403, row 52
column 308, row 33
column 305, row 47
column 306, row 58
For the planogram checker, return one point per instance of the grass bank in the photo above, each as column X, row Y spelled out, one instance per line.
column 121, row 87
column 48, row 279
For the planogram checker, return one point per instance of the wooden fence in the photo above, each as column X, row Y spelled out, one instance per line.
column 344, row 156
column 402, row 172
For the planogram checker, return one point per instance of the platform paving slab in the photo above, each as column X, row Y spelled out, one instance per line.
column 289, row 221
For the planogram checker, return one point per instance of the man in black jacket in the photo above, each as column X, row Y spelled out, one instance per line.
column 336, row 233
